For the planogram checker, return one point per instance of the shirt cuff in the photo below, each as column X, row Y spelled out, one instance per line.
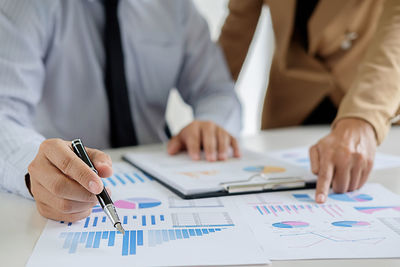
column 16, row 167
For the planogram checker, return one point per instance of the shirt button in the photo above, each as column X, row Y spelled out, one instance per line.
column 347, row 43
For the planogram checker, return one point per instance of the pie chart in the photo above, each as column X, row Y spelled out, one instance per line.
column 350, row 223
column 351, row 197
column 290, row 224
column 132, row 203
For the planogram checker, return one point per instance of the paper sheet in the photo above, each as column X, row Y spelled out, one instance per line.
column 290, row 225
column 299, row 156
column 162, row 230
column 194, row 177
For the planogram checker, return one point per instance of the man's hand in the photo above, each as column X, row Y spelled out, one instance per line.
column 215, row 141
column 343, row 158
column 63, row 186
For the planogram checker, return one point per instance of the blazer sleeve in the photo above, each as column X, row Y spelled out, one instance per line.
column 238, row 31
column 375, row 94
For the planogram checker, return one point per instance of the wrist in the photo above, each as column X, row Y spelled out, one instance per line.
column 355, row 126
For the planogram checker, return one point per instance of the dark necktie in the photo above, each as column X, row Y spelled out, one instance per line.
column 122, row 131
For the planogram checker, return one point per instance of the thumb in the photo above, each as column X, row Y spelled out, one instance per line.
column 175, row 145
column 101, row 161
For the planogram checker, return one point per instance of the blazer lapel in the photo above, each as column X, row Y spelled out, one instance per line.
column 326, row 12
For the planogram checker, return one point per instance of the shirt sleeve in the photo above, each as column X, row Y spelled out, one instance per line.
column 238, row 31
column 22, row 47
column 375, row 94
column 204, row 81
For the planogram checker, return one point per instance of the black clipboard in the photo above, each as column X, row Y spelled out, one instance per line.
column 239, row 187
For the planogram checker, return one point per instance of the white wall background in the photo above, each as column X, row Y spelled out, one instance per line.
column 251, row 85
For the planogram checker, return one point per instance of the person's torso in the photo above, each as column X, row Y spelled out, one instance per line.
column 339, row 33
column 74, row 101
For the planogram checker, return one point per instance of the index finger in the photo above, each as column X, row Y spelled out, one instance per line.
column 60, row 154
column 324, row 180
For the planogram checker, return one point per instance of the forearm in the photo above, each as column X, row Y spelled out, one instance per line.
column 238, row 30
column 375, row 94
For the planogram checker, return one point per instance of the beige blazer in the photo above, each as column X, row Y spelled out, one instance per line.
column 353, row 57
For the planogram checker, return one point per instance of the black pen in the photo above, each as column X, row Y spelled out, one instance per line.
column 104, row 199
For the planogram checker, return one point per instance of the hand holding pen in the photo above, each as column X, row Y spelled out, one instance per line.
column 63, row 186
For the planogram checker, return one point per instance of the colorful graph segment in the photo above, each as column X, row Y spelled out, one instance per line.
column 290, row 224
column 350, row 224
column 371, row 210
column 132, row 203
column 303, row 197
column 264, row 169
column 351, row 197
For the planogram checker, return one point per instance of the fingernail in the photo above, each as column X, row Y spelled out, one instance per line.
column 94, row 187
column 320, row 198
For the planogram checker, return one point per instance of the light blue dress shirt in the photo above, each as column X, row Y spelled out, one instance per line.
column 52, row 82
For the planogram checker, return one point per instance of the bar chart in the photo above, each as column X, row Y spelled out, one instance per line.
column 127, row 178
column 332, row 210
column 132, row 240
column 129, row 220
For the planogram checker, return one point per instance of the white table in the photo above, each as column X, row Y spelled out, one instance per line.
column 21, row 224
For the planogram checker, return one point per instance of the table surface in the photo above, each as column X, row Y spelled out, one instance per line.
column 21, row 224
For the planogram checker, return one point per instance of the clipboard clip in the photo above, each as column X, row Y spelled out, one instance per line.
column 261, row 182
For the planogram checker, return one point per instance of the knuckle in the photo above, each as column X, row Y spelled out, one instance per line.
column 358, row 156
column 338, row 188
column 57, row 187
column 82, row 176
column 67, row 164
column 65, row 206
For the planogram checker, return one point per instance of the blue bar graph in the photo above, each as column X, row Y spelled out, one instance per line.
column 87, row 222
column 103, row 219
column 138, row 176
column 192, row 232
column 105, row 235
column 130, row 179
column 131, row 241
column 143, row 220
column 83, row 237
column 111, row 239
column 95, row 221
column 111, row 180
column 120, row 179
column 132, row 244
column 140, row 237
column 125, row 243
column 153, row 220
column 178, row 234
column 89, row 241
column 158, row 237
column 97, row 238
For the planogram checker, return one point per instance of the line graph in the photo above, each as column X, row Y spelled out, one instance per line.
column 319, row 238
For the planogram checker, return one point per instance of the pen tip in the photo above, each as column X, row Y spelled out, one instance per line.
column 120, row 228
